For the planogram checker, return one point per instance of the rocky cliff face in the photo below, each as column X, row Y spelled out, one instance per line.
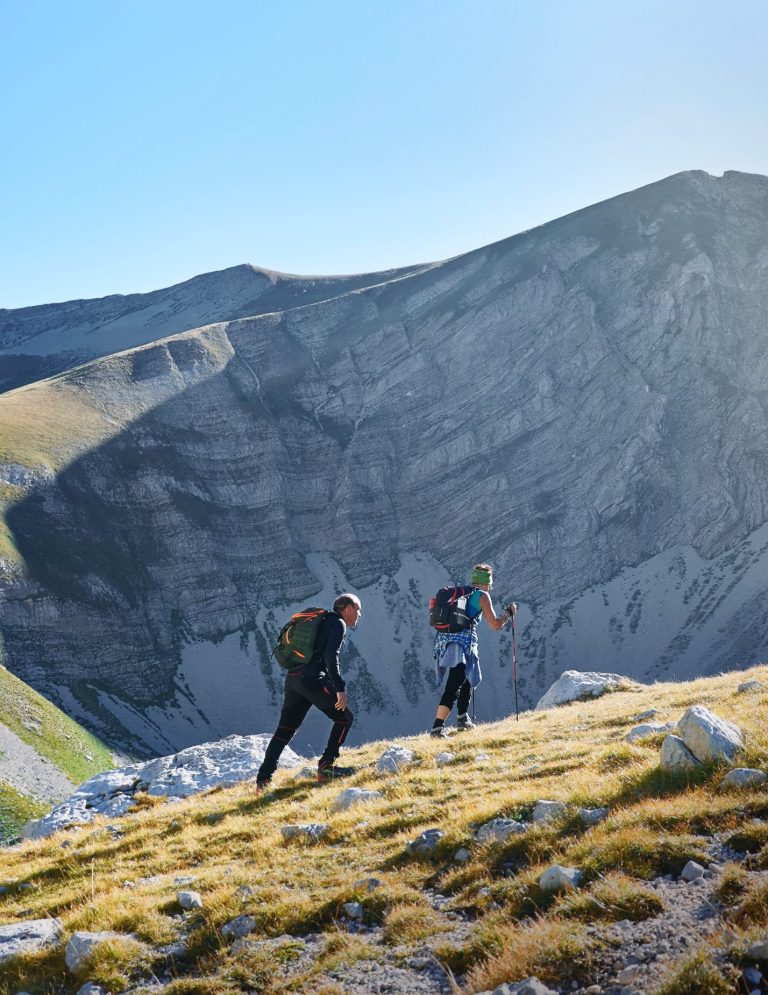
column 583, row 404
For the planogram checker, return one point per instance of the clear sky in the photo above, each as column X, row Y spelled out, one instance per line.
column 143, row 142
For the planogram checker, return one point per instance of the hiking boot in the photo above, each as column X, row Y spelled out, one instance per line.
column 439, row 733
column 261, row 788
column 332, row 772
column 464, row 723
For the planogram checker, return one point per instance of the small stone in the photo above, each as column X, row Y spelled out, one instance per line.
column 427, row 842
column 591, row 816
column 649, row 713
column 743, row 777
column 29, row 936
column 393, row 759
column 444, row 758
column 499, row 830
column 354, row 910
column 748, row 686
column 593, row 990
column 82, row 944
column 354, row 796
column 557, row 878
column 309, row 830
column 692, row 871
column 185, row 879
column 481, row 757
column 189, row 900
column 241, row 926
column 89, row 988
column 544, row 811
column 462, row 855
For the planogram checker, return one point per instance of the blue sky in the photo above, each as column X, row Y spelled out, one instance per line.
column 146, row 142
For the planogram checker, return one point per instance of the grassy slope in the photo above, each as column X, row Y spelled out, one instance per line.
column 49, row 731
column 53, row 735
column 228, row 839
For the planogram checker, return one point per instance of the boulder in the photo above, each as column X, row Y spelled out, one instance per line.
column 393, row 759
column 573, row 685
column 82, row 944
column 307, row 830
column 29, row 937
column 557, row 878
column 545, row 811
column 531, row 986
column 89, row 988
column 426, row 842
column 353, row 796
column 707, row 736
column 675, row 755
column 743, row 777
column 499, row 830
column 241, row 926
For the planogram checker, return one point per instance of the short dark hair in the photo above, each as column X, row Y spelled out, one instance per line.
column 343, row 601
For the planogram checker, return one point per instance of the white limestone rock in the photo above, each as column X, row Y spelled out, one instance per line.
column 444, row 758
column 558, row 878
column 29, row 937
column 575, row 685
column 675, row 755
column 750, row 687
column 351, row 797
column 545, row 811
column 190, row 900
column 499, row 830
column 353, row 910
column 462, row 855
column 692, row 871
column 743, row 777
column 426, row 842
column 708, row 737
column 649, row 713
column 198, row 768
column 646, row 729
column 241, row 926
column 306, row 830
column 393, row 759
column 592, row 816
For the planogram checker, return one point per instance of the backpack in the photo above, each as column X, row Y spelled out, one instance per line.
column 296, row 641
column 448, row 609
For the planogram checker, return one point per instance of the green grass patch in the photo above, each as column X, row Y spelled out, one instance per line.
column 15, row 810
column 50, row 732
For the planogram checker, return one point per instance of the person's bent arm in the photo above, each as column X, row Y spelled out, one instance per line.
column 495, row 621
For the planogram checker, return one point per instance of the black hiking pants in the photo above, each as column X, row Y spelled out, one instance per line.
column 301, row 693
column 457, row 686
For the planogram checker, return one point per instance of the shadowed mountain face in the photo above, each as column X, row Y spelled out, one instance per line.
column 586, row 405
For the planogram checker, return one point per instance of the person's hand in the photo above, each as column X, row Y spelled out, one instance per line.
column 511, row 609
column 341, row 700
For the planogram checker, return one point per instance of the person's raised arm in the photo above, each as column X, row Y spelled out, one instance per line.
column 495, row 621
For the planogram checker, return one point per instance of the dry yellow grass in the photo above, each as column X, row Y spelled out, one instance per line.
column 229, row 839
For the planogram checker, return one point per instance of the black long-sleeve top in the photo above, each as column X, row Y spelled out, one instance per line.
column 325, row 656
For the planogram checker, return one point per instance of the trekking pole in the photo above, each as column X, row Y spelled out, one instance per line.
column 514, row 668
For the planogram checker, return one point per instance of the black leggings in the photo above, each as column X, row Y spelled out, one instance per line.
column 457, row 686
column 301, row 693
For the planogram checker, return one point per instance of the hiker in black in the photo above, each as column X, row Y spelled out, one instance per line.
column 318, row 683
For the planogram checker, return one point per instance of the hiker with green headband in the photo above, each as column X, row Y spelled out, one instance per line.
column 456, row 652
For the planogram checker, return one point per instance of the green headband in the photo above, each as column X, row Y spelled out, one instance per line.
column 481, row 577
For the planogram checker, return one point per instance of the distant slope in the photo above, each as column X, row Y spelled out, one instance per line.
column 43, row 754
column 38, row 342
